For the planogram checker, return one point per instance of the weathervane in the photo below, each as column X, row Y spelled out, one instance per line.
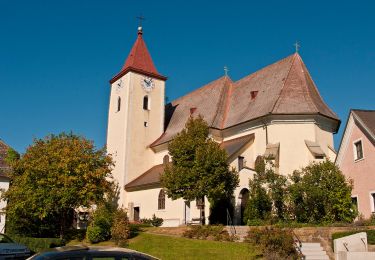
column 226, row 70
column 297, row 46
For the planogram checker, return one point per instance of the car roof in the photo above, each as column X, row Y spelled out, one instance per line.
column 92, row 249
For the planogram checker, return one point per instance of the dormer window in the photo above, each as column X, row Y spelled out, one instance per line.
column 146, row 103
column 118, row 104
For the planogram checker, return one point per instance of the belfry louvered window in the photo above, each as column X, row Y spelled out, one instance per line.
column 146, row 103
column 118, row 104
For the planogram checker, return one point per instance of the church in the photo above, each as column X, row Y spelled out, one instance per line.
column 276, row 112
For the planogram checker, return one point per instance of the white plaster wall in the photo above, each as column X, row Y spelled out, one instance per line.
column 294, row 153
column 127, row 137
column 4, row 186
column 174, row 212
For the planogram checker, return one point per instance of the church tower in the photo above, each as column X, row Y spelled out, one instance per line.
column 136, row 115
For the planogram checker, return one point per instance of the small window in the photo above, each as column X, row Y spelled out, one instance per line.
column 161, row 199
column 355, row 202
column 146, row 103
column 118, row 104
column 145, row 124
column 373, row 201
column 358, row 150
column 240, row 163
column 165, row 159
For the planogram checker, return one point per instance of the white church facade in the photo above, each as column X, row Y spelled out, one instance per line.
column 276, row 111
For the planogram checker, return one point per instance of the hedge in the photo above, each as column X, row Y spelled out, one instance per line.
column 370, row 235
column 37, row 245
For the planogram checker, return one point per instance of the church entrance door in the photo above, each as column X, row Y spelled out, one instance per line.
column 136, row 213
column 244, row 196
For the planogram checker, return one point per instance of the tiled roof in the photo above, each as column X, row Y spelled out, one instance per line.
column 284, row 87
column 234, row 145
column 367, row 118
column 139, row 60
column 151, row 178
column 148, row 179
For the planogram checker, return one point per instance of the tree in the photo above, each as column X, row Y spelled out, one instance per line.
column 56, row 175
column 199, row 166
column 320, row 193
column 268, row 193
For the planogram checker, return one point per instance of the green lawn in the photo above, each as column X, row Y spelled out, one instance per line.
column 165, row 247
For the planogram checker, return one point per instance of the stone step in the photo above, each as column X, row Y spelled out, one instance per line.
column 312, row 253
column 310, row 244
column 317, row 257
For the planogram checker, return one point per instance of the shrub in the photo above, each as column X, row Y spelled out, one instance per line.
column 95, row 234
column 274, row 243
column 100, row 228
column 154, row 221
column 120, row 230
column 37, row 245
column 73, row 233
column 209, row 232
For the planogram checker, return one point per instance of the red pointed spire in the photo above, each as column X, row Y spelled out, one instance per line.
column 139, row 60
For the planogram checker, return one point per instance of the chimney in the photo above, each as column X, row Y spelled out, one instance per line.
column 192, row 110
column 253, row 94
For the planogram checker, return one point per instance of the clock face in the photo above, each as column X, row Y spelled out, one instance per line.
column 148, row 83
column 119, row 85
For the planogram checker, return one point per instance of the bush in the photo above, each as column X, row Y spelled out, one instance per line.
column 154, row 221
column 37, row 245
column 95, row 234
column 120, row 230
column 73, row 233
column 274, row 243
column 100, row 228
column 208, row 232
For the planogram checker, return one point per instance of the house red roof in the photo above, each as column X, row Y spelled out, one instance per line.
column 139, row 60
column 284, row 87
column 367, row 119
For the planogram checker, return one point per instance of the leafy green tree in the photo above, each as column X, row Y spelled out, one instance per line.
column 320, row 193
column 267, row 195
column 199, row 166
column 56, row 175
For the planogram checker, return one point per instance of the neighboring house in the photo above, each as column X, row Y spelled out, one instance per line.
column 4, row 182
column 356, row 158
column 276, row 111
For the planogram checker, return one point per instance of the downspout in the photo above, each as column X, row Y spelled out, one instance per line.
column 265, row 127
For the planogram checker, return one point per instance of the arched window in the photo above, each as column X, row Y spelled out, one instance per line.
column 146, row 103
column 161, row 200
column 165, row 159
column 118, row 104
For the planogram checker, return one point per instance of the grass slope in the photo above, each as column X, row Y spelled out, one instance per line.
column 165, row 247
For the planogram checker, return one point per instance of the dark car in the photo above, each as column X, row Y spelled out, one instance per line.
column 91, row 253
column 12, row 250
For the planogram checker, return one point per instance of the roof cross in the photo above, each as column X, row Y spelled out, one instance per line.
column 297, row 46
column 226, row 70
column 141, row 18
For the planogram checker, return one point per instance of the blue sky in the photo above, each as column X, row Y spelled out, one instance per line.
column 56, row 57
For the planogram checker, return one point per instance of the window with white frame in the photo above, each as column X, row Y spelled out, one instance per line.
column 358, row 150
